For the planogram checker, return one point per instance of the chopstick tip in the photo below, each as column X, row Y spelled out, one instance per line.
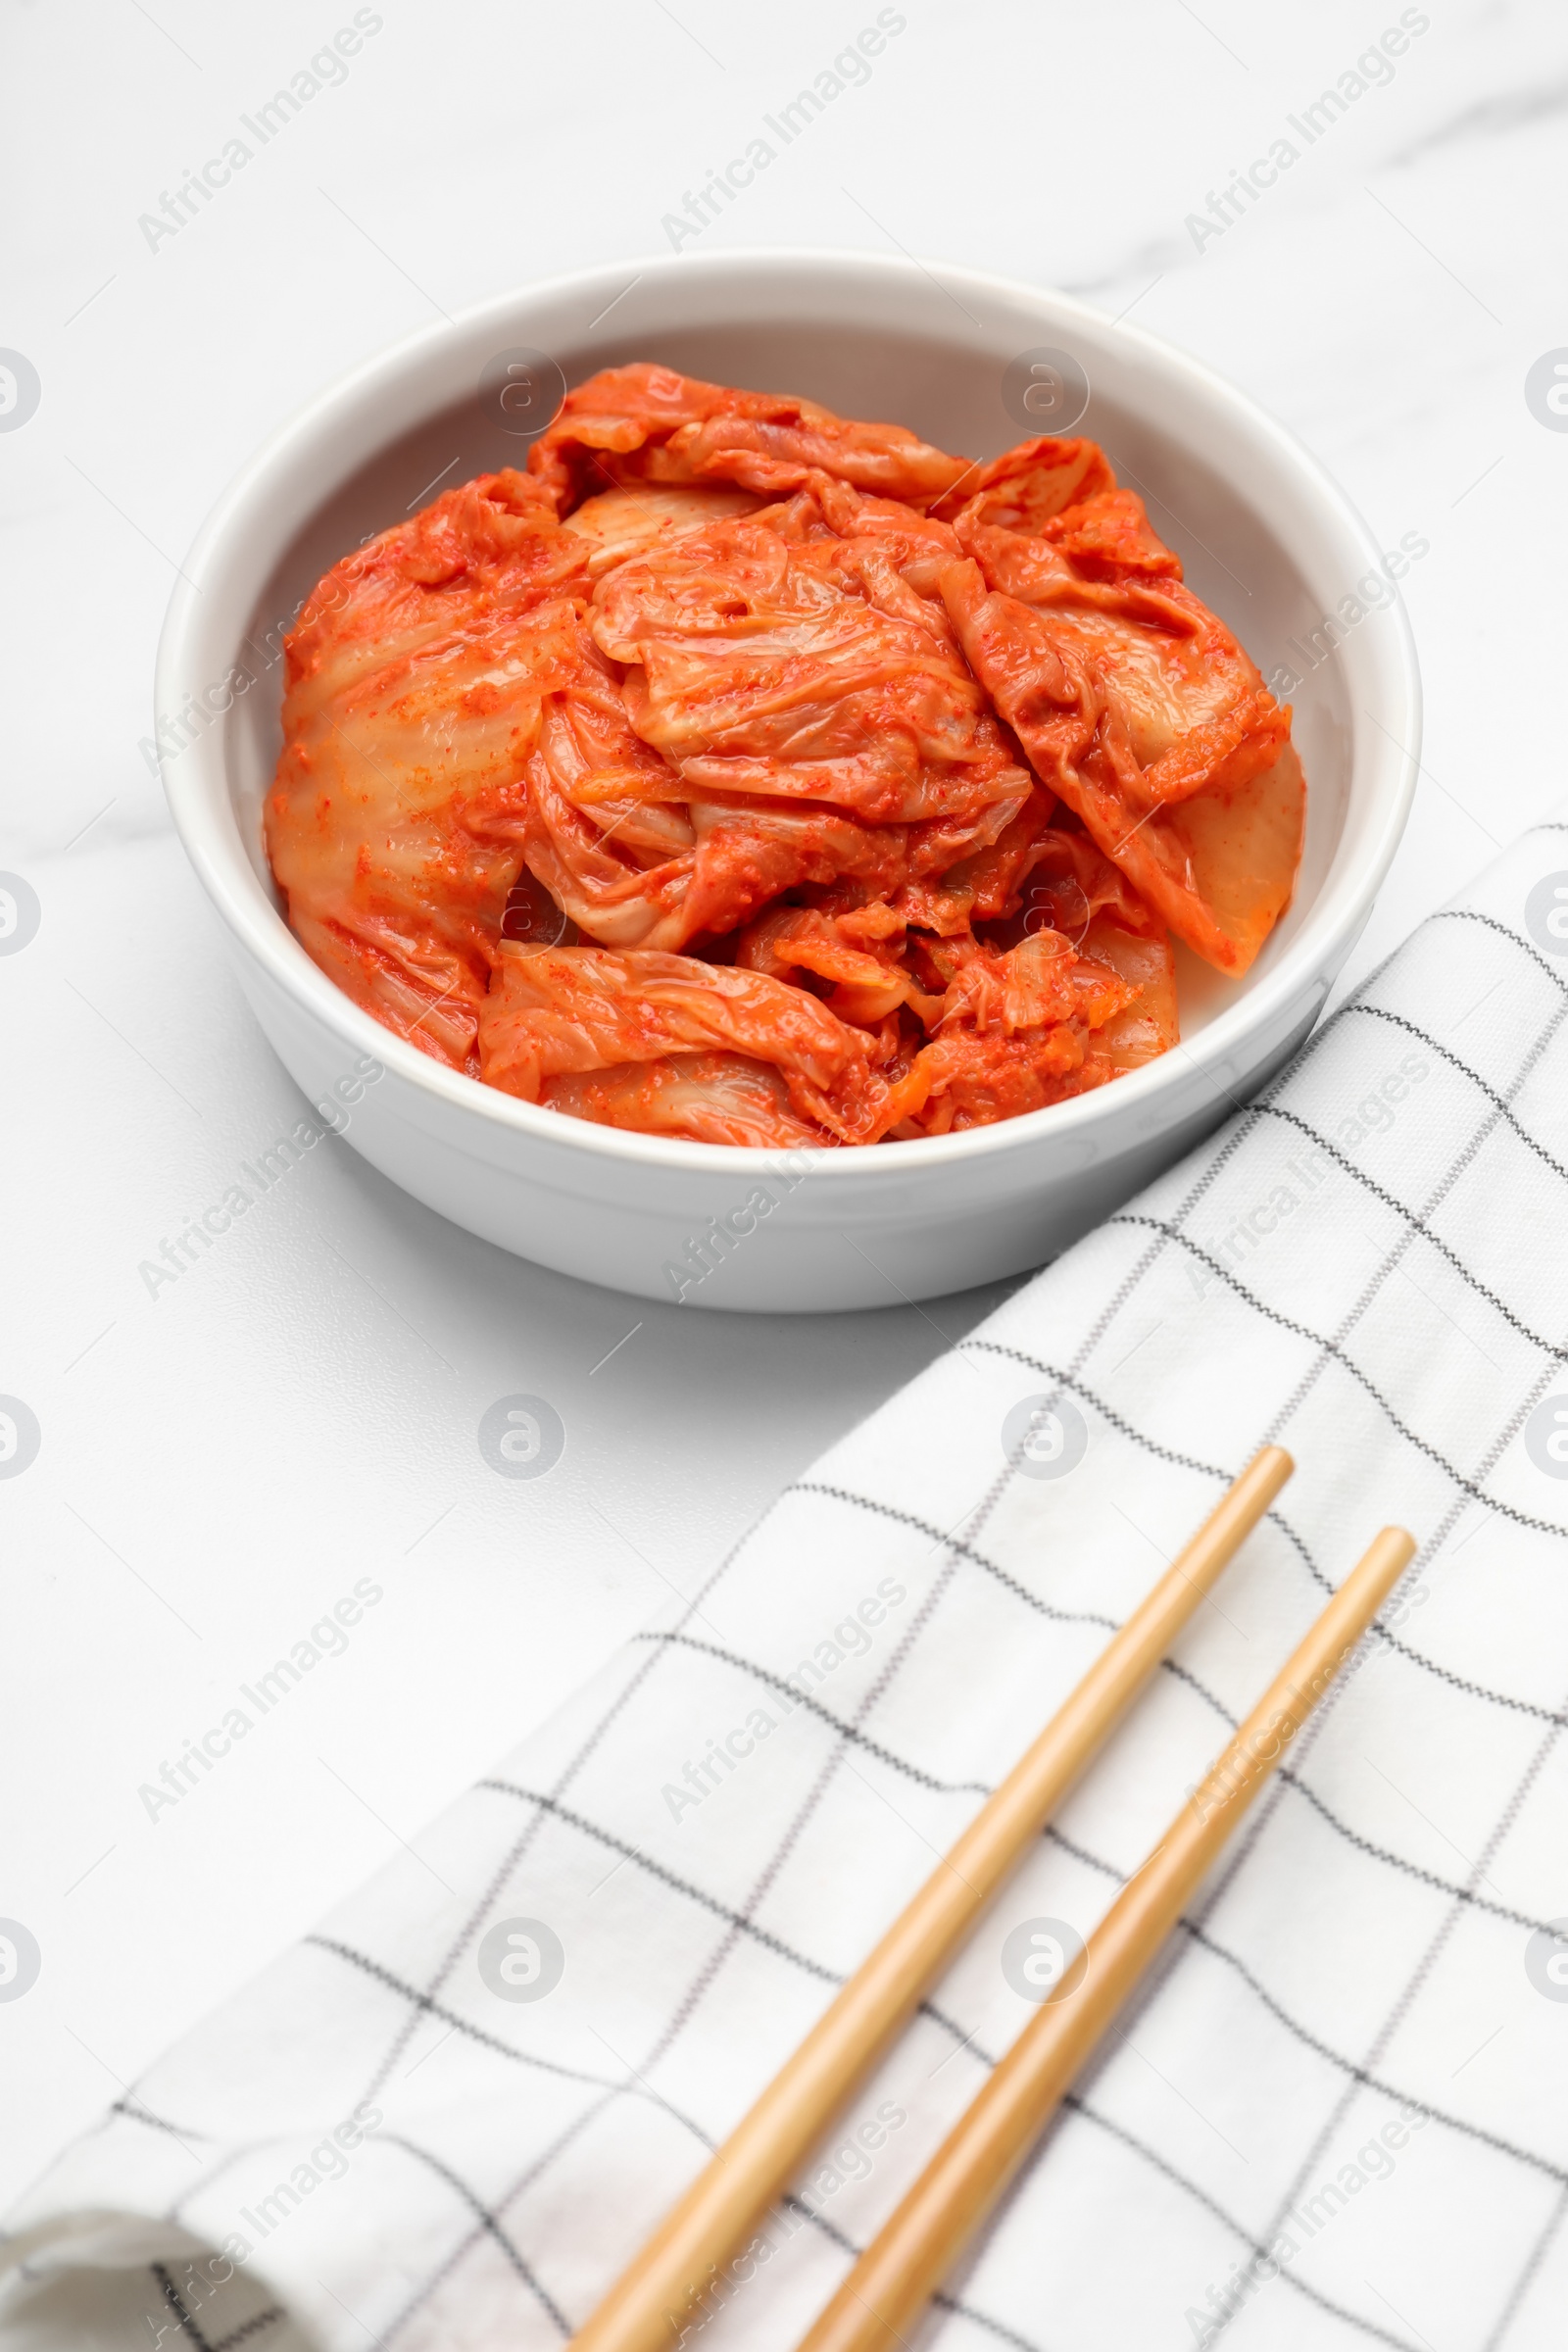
column 1380, row 1568
column 1267, row 1472
column 1399, row 1544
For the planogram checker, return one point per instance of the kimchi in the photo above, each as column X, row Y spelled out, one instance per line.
column 753, row 775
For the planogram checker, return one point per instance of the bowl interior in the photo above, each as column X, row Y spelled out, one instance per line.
column 1262, row 539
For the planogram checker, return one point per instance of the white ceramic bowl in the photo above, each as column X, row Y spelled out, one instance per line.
column 1265, row 538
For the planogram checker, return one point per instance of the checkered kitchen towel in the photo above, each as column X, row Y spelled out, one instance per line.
column 1339, row 2117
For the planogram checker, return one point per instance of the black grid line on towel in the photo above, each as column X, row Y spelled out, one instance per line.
column 184, row 2320
column 248, row 2329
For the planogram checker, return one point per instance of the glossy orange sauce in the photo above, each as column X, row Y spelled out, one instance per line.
column 755, row 775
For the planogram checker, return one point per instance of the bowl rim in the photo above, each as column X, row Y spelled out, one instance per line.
column 202, row 806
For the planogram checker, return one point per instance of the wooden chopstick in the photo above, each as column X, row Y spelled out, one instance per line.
column 664, row 2287
column 884, row 2295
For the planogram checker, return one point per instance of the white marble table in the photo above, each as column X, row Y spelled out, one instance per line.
column 222, row 1463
